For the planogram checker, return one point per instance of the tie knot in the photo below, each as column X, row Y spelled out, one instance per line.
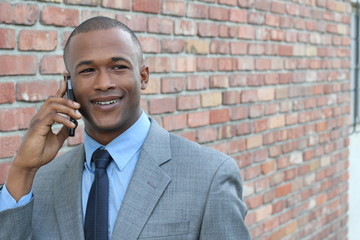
column 101, row 158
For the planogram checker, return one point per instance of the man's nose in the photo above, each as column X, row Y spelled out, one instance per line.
column 103, row 81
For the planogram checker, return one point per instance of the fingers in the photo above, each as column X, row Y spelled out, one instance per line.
column 62, row 89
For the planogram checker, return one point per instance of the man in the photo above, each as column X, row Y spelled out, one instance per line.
column 159, row 186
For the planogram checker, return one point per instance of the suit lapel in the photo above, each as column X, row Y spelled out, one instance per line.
column 67, row 196
column 146, row 187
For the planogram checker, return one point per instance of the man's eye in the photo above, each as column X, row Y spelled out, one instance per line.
column 119, row 67
column 87, row 70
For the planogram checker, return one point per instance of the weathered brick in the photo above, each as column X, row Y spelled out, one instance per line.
column 137, row 23
column 7, row 38
column 172, row 7
column 205, row 135
column 22, row 14
column 9, row 145
column 160, row 25
column 16, row 119
column 18, row 64
column 153, row 86
column 219, row 81
column 197, row 46
column 83, row 2
column 212, row 99
column 238, row 15
column 52, row 64
column 158, row 64
column 218, row 13
column 7, row 92
column 197, row 82
column 147, row 6
column 195, row 10
column 198, row 119
column 162, row 105
column 37, row 40
column 183, row 64
column 219, row 116
column 175, row 122
column 188, row 102
column 172, row 45
column 34, row 91
column 59, row 16
column 185, row 27
column 172, row 84
column 125, row 5
column 150, row 44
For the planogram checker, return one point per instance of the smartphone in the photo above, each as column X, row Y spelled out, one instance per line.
column 70, row 95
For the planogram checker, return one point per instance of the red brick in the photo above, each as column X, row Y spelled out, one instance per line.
column 16, row 119
column 83, row 2
column 227, row 64
column 278, row 7
column 219, row 116
column 195, row 10
column 205, row 135
column 238, row 15
column 231, row 97
column 228, row 2
column 252, row 172
column 245, row 63
column 150, row 44
column 237, row 113
column 175, row 122
column 262, row 5
column 160, row 25
column 246, row 32
column 23, row 14
column 18, row 64
column 219, row 81
column 147, row 6
column 206, row 64
column 197, row 83
column 162, row 105
column 172, row 45
column 171, row 7
column 198, row 119
column 219, row 47
column 52, row 64
column 238, row 48
column 37, row 40
column 172, row 84
column 7, row 38
column 188, row 102
column 283, row 190
column 125, row 5
column 9, row 145
column 159, row 64
column 7, row 92
column 185, row 27
column 207, row 29
column 59, row 16
column 256, row 18
column 249, row 96
column 183, row 64
column 218, row 13
column 137, row 23
column 34, row 91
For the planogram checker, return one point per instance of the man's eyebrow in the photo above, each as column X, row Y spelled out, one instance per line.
column 86, row 62
column 115, row 59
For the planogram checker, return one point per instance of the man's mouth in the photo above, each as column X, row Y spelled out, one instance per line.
column 107, row 102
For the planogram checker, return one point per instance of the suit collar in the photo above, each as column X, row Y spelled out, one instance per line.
column 67, row 195
column 147, row 185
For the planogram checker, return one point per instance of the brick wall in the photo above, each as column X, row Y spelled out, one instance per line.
column 264, row 81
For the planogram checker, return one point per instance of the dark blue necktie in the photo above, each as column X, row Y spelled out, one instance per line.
column 96, row 218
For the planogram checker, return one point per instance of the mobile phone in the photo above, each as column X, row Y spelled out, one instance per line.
column 70, row 95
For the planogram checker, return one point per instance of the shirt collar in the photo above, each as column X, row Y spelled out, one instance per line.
column 124, row 146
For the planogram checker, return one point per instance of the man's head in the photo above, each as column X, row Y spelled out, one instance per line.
column 100, row 23
column 103, row 58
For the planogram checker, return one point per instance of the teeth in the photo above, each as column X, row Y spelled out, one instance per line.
column 107, row 103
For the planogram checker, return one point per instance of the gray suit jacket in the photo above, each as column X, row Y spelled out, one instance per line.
column 179, row 190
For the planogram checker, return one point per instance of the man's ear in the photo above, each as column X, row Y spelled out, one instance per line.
column 144, row 75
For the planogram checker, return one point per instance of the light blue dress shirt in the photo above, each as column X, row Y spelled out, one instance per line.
column 125, row 150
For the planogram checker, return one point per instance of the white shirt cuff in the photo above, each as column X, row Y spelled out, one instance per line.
column 8, row 202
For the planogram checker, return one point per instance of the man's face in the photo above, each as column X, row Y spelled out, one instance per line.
column 107, row 76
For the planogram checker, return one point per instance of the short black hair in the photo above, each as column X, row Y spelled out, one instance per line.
column 100, row 23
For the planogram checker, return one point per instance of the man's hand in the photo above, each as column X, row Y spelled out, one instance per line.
column 40, row 145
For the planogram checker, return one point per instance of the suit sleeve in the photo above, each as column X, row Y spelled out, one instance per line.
column 225, row 210
column 15, row 223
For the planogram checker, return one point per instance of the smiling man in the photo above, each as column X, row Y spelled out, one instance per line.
column 131, row 179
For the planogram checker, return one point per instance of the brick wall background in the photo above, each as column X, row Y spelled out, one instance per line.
column 264, row 81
